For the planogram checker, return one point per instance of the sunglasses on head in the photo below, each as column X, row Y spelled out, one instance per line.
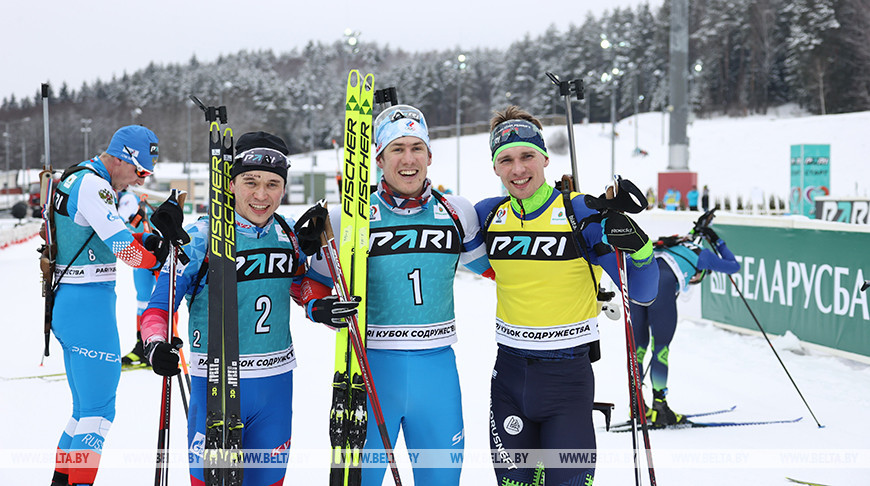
column 263, row 156
column 399, row 114
column 516, row 131
column 140, row 171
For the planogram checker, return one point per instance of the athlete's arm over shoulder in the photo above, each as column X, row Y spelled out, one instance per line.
column 473, row 255
column 642, row 271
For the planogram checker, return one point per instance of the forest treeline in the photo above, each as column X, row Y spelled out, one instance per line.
column 744, row 57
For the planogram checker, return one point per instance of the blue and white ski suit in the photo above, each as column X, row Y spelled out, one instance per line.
column 270, row 271
column 413, row 255
column 90, row 237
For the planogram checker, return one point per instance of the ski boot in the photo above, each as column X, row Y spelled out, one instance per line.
column 661, row 415
column 136, row 357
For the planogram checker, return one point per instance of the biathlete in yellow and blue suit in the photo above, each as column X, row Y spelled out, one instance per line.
column 546, row 317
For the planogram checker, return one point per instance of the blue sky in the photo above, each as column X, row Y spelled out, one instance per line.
column 59, row 41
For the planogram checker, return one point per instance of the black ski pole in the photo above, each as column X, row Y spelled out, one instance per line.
column 566, row 89
column 638, row 415
column 763, row 333
column 161, row 474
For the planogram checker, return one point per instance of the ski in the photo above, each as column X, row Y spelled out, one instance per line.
column 807, row 483
column 697, row 425
column 348, row 413
column 340, row 414
column 222, row 459
column 713, row 412
column 627, row 423
column 356, row 338
column 62, row 375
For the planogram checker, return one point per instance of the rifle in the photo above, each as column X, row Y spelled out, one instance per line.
column 48, row 251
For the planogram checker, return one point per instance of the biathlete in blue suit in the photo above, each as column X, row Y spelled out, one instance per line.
column 418, row 237
column 91, row 236
column 543, row 386
column 272, row 269
column 681, row 263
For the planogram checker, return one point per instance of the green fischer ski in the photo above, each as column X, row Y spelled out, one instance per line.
column 348, row 416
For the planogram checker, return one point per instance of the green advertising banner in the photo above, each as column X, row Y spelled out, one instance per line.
column 810, row 177
column 805, row 281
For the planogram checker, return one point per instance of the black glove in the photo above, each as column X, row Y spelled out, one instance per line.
column 309, row 227
column 137, row 217
column 704, row 220
column 711, row 235
column 627, row 198
column 157, row 246
column 163, row 356
column 168, row 219
column 333, row 312
column 622, row 232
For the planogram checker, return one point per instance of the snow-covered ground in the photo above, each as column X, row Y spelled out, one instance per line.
column 710, row 368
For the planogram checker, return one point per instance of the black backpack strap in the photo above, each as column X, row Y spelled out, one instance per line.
column 580, row 244
column 286, row 227
column 76, row 168
column 66, row 173
column 452, row 212
column 203, row 270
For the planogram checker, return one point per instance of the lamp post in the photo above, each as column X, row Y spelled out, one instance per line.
column 6, row 174
column 7, row 135
column 86, row 129
column 460, row 65
column 351, row 39
column 226, row 86
column 590, row 74
column 636, row 98
column 309, row 110
column 696, row 72
column 613, row 75
column 188, row 159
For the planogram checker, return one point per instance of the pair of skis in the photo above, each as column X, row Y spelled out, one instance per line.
column 352, row 381
column 626, row 426
column 223, row 458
